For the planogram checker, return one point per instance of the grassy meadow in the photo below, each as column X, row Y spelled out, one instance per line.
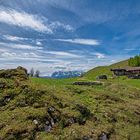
column 54, row 109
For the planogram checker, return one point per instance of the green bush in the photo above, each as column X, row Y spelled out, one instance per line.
column 134, row 61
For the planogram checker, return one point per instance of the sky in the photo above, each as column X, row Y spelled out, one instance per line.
column 63, row 35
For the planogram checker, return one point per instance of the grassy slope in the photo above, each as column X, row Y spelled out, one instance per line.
column 92, row 74
column 115, row 111
column 115, row 108
column 52, row 82
column 124, row 91
column 104, row 69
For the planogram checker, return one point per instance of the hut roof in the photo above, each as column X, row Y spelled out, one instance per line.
column 132, row 68
column 127, row 69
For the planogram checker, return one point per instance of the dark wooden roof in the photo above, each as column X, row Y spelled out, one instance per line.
column 133, row 69
column 126, row 69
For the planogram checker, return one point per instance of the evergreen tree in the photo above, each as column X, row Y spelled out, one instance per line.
column 37, row 73
column 32, row 72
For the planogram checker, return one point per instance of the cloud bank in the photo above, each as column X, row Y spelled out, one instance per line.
column 31, row 21
column 91, row 42
column 23, row 19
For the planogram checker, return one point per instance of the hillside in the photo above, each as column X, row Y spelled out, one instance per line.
column 104, row 69
column 51, row 109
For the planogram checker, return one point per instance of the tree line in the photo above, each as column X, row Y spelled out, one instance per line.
column 34, row 73
column 134, row 61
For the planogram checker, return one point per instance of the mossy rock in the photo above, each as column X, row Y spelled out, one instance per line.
column 18, row 73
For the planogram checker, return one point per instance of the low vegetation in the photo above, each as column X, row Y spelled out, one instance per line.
column 134, row 61
column 51, row 109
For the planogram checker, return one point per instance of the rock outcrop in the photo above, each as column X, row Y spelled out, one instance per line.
column 87, row 83
column 18, row 73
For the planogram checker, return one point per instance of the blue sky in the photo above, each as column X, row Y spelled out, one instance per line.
column 53, row 35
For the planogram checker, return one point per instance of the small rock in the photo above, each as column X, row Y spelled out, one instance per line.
column 52, row 122
column 71, row 120
column 88, row 83
column 47, row 122
column 7, row 98
column 35, row 122
column 103, row 136
column 51, row 109
column 83, row 110
column 48, row 128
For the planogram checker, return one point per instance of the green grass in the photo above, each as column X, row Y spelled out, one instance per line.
column 115, row 111
column 132, row 82
column 53, row 82
column 93, row 73
column 113, row 108
column 91, row 76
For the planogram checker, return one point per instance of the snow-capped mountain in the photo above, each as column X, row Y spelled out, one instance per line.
column 66, row 74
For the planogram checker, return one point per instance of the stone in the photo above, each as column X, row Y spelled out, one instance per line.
column 51, row 109
column 48, row 128
column 7, row 98
column 35, row 122
column 47, row 122
column 69, row 122
column 83, row 110
column 52, row 122
column 87, row 83
column 18, row 73
column 101, row 77
column 54, row 114
column 103, row 136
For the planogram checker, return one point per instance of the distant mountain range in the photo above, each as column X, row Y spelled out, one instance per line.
column 66, row 74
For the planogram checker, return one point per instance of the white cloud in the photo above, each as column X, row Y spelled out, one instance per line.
column 113, row 60
column 3, row 50
column 16, row 38
column 28, row 59
column 28, row 47
column 92, row 42
column 100, row 55
column 38, row 43
column 57, row 24
column 23, row 19
column 8, row 54
column 31, row 54
column 13, row 38
column 21, row 46
column 35, row 22
column 60, row 53
column 19, row 55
